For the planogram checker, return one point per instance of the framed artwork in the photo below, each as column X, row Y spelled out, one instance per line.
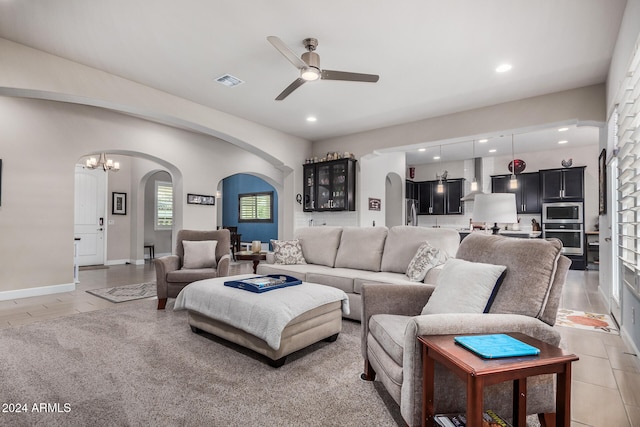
column 374, row 204
column 200, row 199
column 602, row 181
column 118, row 203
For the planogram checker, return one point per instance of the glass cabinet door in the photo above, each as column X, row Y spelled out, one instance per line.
column 309, row 201
column 324, row 187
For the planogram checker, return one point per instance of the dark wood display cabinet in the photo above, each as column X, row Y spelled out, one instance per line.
column 527, row 193
column 330, row 186
column 562, row 184
column 430, row 202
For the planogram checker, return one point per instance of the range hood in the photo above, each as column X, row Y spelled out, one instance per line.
column 477, row 172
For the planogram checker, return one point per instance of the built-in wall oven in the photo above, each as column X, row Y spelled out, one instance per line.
column 564, row 221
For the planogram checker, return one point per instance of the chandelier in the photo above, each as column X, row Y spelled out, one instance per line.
column 104, row 163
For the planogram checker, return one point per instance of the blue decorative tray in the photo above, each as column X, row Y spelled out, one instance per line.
column 266, row 283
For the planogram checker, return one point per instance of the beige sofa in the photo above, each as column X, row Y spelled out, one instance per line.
column 348, row 257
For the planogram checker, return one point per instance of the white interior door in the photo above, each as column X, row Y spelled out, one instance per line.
column 90, row 214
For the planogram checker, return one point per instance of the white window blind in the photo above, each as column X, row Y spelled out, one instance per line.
column 164, row 205
column 628, row 146
column 256, row 207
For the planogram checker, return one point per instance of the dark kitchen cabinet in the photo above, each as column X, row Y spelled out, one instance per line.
column 562, row 184
column 411, row 190
column 330, row 186
column 430, row 202
column 527, row 193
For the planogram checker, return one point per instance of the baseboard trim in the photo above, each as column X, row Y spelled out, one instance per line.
column 118, row 261
column 36, row 292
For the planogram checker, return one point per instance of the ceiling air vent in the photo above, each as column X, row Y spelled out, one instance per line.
column 229, row 80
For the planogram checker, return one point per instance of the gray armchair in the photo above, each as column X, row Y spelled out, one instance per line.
column 526, row 302
column 171, row 276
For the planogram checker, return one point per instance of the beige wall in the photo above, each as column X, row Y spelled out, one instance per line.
column 585, row 105
column 43, row 140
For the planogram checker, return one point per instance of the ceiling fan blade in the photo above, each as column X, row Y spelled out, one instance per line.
column 352, row 77
column 287, row 53
column 293, row 86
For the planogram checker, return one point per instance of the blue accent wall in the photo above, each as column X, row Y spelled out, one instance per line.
column 240, row 184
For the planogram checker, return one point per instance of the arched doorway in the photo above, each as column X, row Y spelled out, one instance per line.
column 394, row 200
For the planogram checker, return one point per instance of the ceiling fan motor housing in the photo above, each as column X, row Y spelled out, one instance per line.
column 312, row 59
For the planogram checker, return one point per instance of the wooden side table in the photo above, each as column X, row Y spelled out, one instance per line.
column 478, row 373
column 256, row 257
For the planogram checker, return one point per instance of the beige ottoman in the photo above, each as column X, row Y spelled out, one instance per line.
column 295, row 317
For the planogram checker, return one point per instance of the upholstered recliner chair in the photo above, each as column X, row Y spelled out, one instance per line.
column 526, row 301
column 197, row 257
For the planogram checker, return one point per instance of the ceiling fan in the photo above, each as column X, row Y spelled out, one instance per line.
column 309, row 66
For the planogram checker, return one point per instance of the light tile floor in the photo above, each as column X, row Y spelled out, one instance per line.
column 606, row 379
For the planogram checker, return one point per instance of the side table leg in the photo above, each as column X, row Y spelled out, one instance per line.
column 563, row 397
column 428, row 366
column 475, row 401
column 255, row 265
column 520, row 402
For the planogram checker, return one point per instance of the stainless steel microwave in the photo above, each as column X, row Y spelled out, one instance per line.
column 564, row 212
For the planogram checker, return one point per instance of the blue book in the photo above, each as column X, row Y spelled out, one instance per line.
column 494, row 346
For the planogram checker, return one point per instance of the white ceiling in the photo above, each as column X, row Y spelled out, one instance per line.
column 434, row 57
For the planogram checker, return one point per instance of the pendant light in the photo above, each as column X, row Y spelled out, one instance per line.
column 513, row 182
column 440, row 186
column 474, row 183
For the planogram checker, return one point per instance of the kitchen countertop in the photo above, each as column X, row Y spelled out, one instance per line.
column 519, row 233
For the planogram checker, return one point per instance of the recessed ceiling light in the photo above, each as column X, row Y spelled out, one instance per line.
column 312, row 119
column 502, row 68
column 422, row 149
column 564, row 141
column 229, row 80
column 482, row 141
column 436, row 157
column 493, row 150
column 563, row 129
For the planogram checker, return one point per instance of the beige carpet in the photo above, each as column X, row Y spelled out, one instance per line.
column 133, row 365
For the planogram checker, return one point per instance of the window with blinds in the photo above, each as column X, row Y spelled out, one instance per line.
column 164, row 205
column 255, row 207
column 628, row 153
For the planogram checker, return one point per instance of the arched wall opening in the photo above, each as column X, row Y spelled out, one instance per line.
column 232, row 187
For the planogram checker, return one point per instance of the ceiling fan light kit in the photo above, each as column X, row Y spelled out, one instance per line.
column 309, row 66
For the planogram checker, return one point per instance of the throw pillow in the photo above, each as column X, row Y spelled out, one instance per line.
column 465, row 287
column 425, row 259
column 199, row 254
column 287, row 252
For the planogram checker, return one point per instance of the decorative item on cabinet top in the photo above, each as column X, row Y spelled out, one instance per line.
column 332, row 155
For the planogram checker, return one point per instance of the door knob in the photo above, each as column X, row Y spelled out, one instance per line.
column 100, row 229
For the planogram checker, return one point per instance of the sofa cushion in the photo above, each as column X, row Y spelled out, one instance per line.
column 403, row 242
column 425, row 259
column 320, row 244
column 199, row 254
column 287, row 252
column 361, row 248
column 464, row 287
column 341, row 278
column 531, row 268
column 388, row 330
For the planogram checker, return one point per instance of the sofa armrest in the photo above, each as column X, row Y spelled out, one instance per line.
column 223, row 265
column 163, row 266
column 457, row 323
column 384, row 298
